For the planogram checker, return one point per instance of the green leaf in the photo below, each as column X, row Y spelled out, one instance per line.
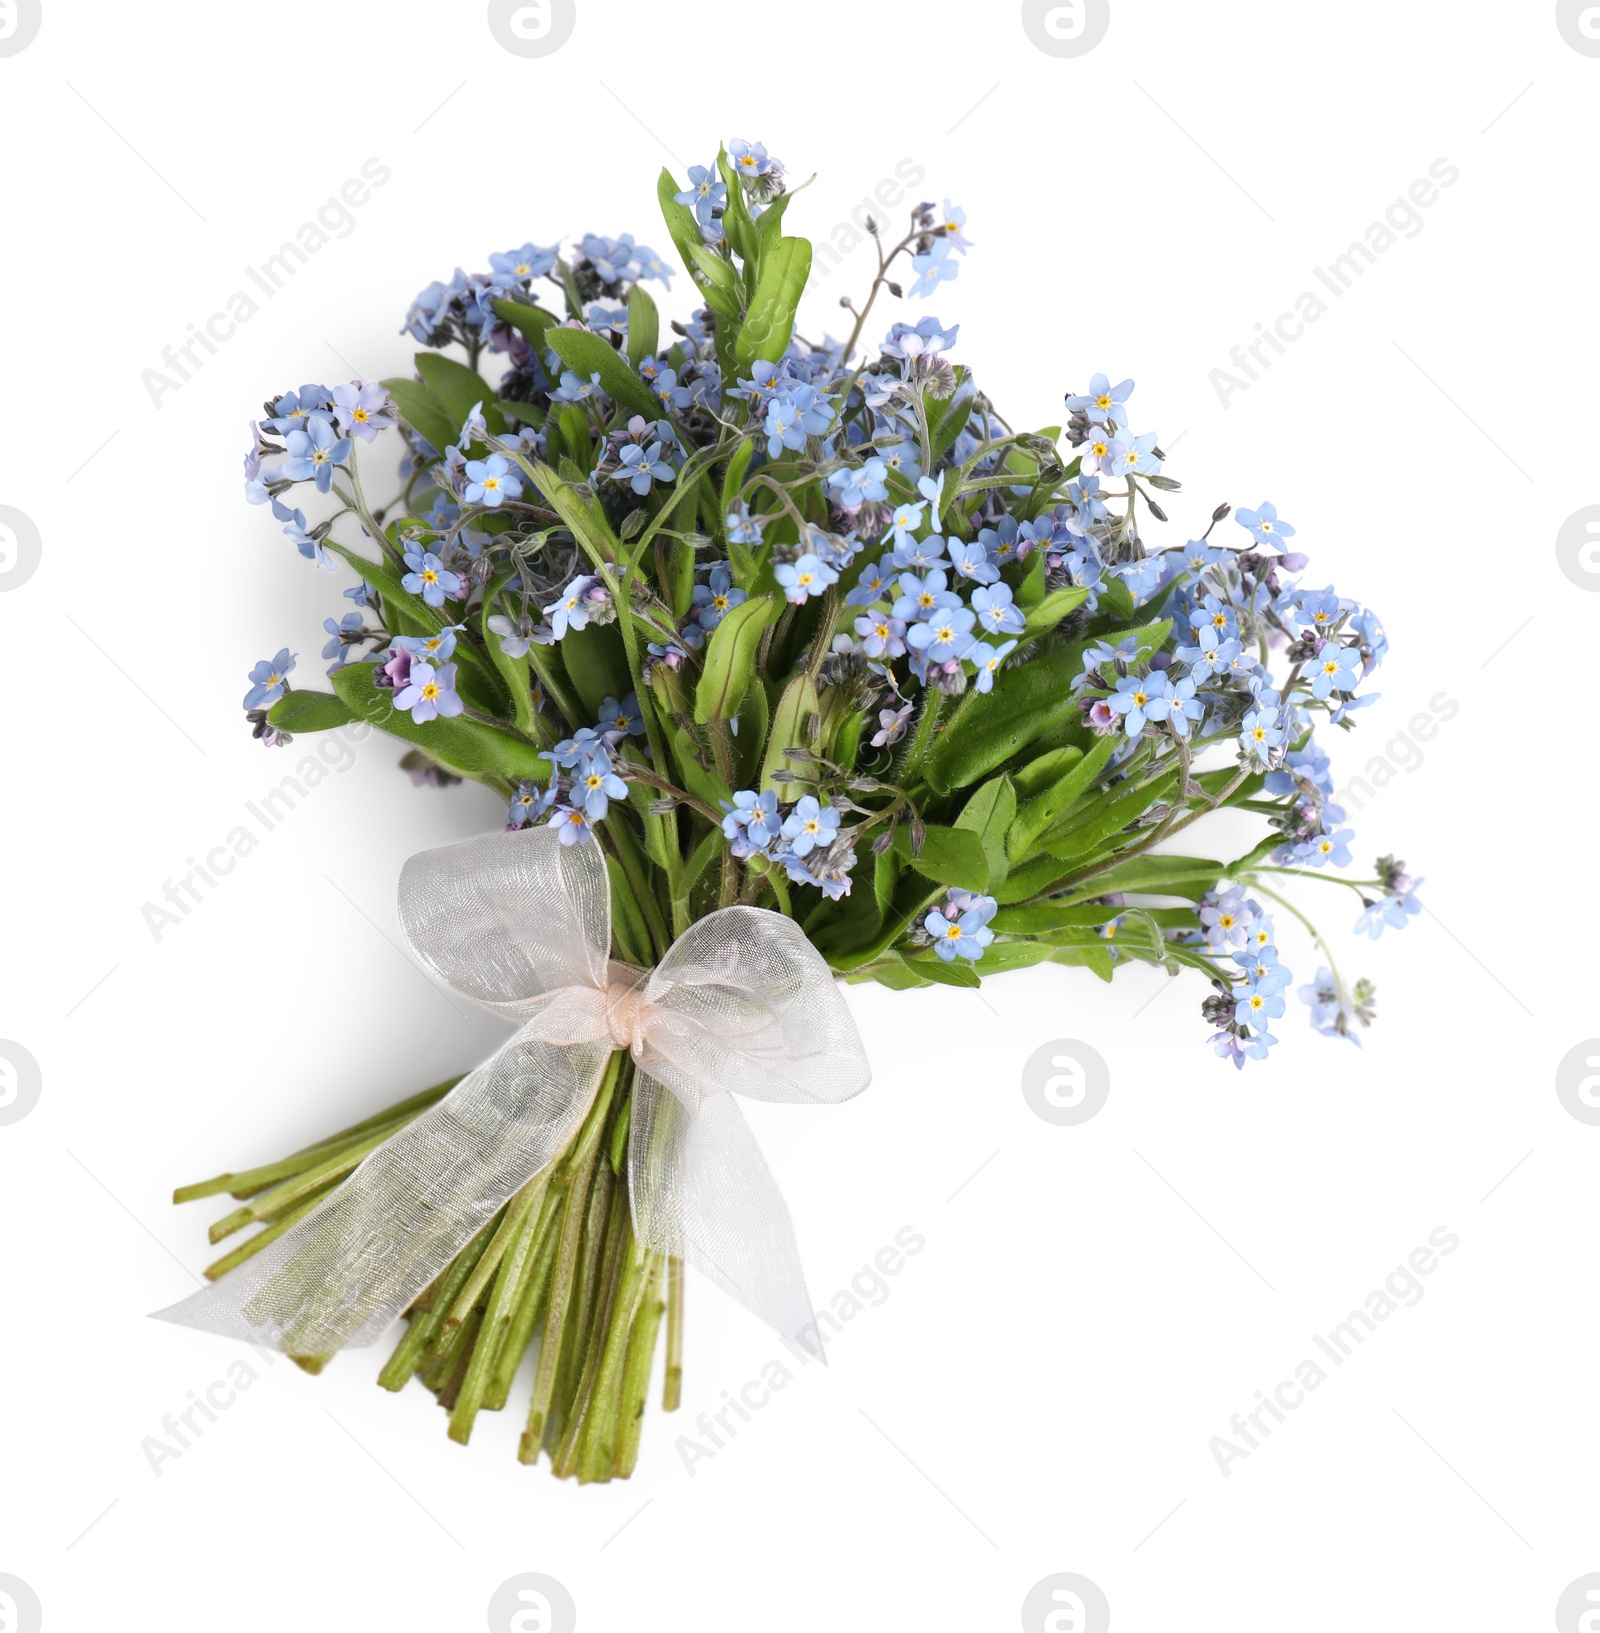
column 467, row 746
column 730, row 659
column 1103, row 819
column 956, row 412
column 889, row 970
column 1050, row 611
column 706, row 786
column 769, row 322
column 678, row 590
column 736, row 221
column 1096, row 958
column 1026, row 703
column 680, row 219
column 588, row 354
column 1041, row 918
column 958, row 972
column 456, row 388
column 733, row 480
column 310, row 711
column 1013, row 955
column 596, row 664
column 1047, row 808
column 419, row 409
column 989, row 814
column 628, row 927
column 1031, row 591
column 953, row 857
column 1039, row 774
column 797, row 705
column 530, row 322
column 644, row 325
column 1190, row 876
column 754, row 716
column 1116, row 598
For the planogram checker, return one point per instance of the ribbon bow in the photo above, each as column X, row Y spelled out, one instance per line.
column 742, row 1003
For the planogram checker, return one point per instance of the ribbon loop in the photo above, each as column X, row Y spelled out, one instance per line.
column 742, row 1003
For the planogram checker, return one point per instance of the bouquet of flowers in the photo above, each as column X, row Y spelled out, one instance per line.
column 792, row 664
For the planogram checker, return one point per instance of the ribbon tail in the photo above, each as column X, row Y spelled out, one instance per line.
column 702, row 1192
column 359, row 1259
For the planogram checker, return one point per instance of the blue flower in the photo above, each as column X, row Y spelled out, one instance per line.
column 1328, row 1014
column 988, row 660
column 882, row 636
column 570, row 610
column 920, row 554
column 624, row 719
column 643, row 466
column 1211, row 654
column 997, row 611
column 531, row 261
column 1134, row 699
column 435, row 648
column 528, row 802
column 348, row 632
column 363, row 410
column 1137, row 456
column 1332, row 847
column 922, row 597
column 361, row 594
column 574, row 390
column 856, row 485
column 743, row 528
column 752, row 822
column 490, row 481
column 804, row 578
column 1335, row 669
column 269, row 681
column 971, row 559
column 1214, row 614
column 595, row 785
column 292, row 410
column 1000, row 540
column 705, row 193
column 945, row 635
column 1259, row 734
column 935, row 266
column 572, row 826
column 810, row 824
column 1264, row 525
column 430, row 693
column 315, row 452
column 873, row 582
column 1390, row 912
column 952, row 218
column 1103, row 401
column 963, row 937
column 587, row 743
column 430, row 578
column 308, row 544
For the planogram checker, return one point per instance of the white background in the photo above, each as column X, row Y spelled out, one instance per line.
column 1039, row 1391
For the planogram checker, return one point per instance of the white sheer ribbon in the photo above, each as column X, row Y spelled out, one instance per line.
column 742, row 1003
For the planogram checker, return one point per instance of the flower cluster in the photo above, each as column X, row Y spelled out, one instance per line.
column 854, row 616
column 803, row 837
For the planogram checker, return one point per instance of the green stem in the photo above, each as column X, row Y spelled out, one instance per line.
column 635, row 1388
column 427, row 1315
column 575, row 1183
column 672, row 1385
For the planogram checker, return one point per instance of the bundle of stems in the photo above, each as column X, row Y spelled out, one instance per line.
column 558, row 1270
